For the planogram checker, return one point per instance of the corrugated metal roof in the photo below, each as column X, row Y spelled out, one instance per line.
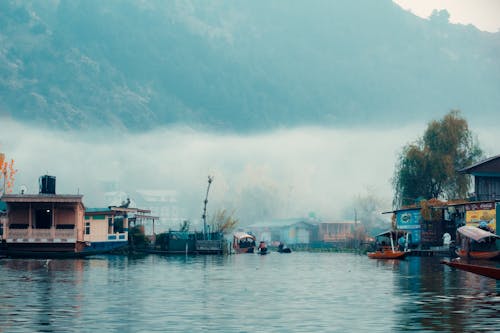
column 475, row 165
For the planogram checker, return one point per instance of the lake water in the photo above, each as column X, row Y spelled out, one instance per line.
column 297, row 292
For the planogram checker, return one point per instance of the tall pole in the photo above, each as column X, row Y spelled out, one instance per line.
column 204, row 216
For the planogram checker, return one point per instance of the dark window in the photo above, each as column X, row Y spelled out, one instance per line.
column 43, row 218
column 87, row 228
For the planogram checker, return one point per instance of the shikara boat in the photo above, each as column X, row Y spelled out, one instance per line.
column 390, row 251
column 243, row 242
column 476, row 243
column 491, row 272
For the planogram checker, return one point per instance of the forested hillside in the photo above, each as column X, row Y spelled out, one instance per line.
column 238, row 65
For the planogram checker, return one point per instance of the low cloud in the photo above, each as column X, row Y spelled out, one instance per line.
column 283, row 173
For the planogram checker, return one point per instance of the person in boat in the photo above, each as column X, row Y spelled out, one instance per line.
column 262, row 246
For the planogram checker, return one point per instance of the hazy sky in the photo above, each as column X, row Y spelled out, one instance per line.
column 484, row 14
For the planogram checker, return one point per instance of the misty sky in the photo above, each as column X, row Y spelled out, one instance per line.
column 484, row 14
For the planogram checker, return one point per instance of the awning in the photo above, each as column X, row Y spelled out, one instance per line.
column 479, row 235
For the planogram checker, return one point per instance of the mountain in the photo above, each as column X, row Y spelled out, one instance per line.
column 239, row 65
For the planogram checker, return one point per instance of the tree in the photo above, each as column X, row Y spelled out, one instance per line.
column 428, row 168
column 7, row 173
column 223, row 222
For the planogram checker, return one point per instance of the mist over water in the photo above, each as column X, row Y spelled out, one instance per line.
column 281, row 173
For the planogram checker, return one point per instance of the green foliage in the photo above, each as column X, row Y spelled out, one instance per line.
column 236, row 65
column 137, row 237
column 223, row 221
column 429, row 167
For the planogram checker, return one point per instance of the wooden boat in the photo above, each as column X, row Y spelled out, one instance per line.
column 263, row 248
column 476, row 243
column 385, row 251
column 491, row 272
column 477, row 254
column 243, row 242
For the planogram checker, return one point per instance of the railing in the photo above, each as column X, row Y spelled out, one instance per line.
column 42, row 233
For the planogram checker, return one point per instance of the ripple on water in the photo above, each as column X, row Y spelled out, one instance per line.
column 300, row 292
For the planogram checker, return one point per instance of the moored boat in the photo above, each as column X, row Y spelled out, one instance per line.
column 243, row 242
column 386, row 245
column 488, row 271
column 476, row 243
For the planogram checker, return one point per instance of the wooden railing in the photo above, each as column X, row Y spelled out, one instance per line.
column 41, row 233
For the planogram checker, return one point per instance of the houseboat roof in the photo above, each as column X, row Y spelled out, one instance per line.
column 56, row 198
column 112, row 209
column 489, row 165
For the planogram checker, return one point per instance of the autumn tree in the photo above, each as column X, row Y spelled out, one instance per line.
column 428, row 168
column 7, row 174
column 223, row 222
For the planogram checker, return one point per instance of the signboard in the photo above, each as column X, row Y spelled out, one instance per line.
column 410, row 220
column 481, row 213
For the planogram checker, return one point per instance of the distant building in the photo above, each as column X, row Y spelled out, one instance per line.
column 161, row 203
column 335, row 231
column 293, row 231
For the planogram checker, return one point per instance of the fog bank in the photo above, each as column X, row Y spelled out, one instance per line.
column 283, row 173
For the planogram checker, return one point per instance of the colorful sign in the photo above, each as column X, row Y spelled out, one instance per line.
column 481, row 214
column 410, row 220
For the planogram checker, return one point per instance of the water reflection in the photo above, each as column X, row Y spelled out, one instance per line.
column 440, row 298
column 326, row 292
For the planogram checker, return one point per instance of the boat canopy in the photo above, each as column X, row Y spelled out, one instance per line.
column 390, row 233
column 479, row 235
column 243, row 235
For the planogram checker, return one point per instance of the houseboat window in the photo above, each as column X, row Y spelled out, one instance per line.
column 87, row 228
column 1, row 229
column 110, row 225
column 43, row 218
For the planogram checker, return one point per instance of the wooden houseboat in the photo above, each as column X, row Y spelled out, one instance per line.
column 54, row 225
column 476, row 243
column 387, row 245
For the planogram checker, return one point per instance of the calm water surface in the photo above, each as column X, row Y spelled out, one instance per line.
column 298, row 292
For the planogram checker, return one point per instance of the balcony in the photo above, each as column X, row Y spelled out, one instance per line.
column 30, row 233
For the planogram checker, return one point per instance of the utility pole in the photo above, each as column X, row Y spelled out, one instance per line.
column 204, row 216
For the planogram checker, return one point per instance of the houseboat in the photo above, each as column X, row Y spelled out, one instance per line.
column 388, row 247
column 55, row 225
column 476, row 243
column 243, row 242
